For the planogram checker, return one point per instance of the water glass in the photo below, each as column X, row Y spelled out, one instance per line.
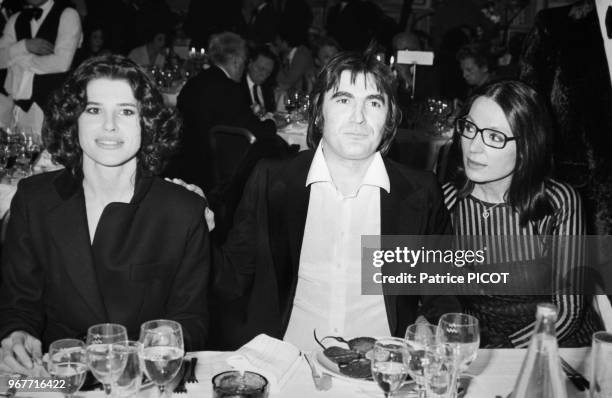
column 68, row 363
column 439, row 371
column 418, row 337
column 163, row 351
column 129, row 381
column 601, row 369
column 390, row 359
column 106, row 349
column 462, row 332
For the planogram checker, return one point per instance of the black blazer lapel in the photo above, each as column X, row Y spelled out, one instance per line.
column 68, row 224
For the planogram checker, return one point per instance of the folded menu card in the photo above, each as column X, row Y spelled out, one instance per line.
column 274, row 359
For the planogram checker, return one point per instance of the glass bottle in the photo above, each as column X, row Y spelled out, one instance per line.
column 541, row 375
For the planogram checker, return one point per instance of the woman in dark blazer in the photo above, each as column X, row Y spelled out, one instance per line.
column 103, row 240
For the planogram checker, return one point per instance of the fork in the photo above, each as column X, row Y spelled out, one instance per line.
column 180, row 387
column 574, row 376
column 191, row 377
column 322, row 381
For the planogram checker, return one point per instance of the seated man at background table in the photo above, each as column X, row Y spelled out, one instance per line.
column 292, row 259
column 214, row 97
column 256, row 83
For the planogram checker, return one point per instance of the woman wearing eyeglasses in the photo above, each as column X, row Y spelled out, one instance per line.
column 503, row 189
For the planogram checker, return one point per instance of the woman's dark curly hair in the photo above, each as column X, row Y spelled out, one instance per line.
column 159, row 125
column 329, row 79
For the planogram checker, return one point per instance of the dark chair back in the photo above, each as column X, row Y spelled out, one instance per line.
column 229, row 148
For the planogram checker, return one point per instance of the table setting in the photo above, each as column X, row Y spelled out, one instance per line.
column 439, row 361
column 291, row 118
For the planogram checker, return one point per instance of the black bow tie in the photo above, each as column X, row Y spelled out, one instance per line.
column 33, row 13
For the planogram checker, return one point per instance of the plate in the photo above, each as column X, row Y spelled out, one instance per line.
column 331, row 367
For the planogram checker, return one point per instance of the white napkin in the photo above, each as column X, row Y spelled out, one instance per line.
column 274, row 359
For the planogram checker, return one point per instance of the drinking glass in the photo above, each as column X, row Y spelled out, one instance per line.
column 601, row 369
column 163, row 351
column 462, row 333
column 106, row 353
column 438, row 370
column 128, row 383
column 68, row 363
column 390, row 364
column 418, row 337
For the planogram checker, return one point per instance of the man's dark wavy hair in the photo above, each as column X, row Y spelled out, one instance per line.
column 530, row 122
column 329, row 78
column 159, row 124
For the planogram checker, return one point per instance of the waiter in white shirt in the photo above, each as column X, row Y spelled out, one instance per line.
column 36, row 51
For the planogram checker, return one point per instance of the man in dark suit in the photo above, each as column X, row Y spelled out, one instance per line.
column 261, row 28
column 292, row 263
column 215, row 97
column 256, row 83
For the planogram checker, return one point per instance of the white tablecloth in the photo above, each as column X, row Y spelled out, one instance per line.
column 493, row 373
column 295, row 134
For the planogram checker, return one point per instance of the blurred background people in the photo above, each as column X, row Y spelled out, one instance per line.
column 36, row 50
column 153, row 52
column 475, row 65
column 296, row 61
column 257, row 81
column 93, row 45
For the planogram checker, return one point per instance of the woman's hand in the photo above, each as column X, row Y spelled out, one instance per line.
column 209, row 215
column 20, row 352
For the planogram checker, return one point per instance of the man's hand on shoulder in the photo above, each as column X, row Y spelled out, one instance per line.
column 39, row 46
column 20, row 351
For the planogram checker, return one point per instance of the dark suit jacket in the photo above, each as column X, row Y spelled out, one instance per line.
column 266, row 90
column 255, row 272
column 149, row 260
column 206, row 100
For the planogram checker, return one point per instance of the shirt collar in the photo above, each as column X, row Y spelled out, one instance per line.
column 46, row 7
column 291, row 54
column 250, row 81
column 376, row 175
column 226, row 72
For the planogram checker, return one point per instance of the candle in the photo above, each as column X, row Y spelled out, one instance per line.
column 392, row 61
column 202, row 51
column 378, row 58
column 192, row 52
column 234, row 384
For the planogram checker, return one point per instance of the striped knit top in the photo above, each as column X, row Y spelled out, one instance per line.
column 510, row 320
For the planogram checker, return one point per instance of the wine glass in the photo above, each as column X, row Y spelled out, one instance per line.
column 106, row 353
column 163, row 351
column 461, row 331
column 68, row 363
column 129, row 381
column 439, row 371
column 390, row 364
column 418, row 337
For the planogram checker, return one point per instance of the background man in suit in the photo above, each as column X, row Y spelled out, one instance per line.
column 214, row 97
column 291, row 262
column 256, row 82
column 36, row 50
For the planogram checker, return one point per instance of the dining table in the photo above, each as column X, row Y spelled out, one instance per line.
column 493, row 374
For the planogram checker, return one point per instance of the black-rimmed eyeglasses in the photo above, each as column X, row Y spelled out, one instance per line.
column 493, row 138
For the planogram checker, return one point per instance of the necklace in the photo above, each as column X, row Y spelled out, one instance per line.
column 487, row 211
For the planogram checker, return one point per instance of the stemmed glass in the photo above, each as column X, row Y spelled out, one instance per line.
column 462, row 333
column 163, row 351
column 439, row 371
column 390, row 364
column 106, row 353
column 67, row 362
column 418, row 337
column 129, row 381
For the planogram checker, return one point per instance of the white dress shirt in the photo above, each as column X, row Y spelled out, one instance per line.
column 251, row 83
column 22, row 65
column 328, row 295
